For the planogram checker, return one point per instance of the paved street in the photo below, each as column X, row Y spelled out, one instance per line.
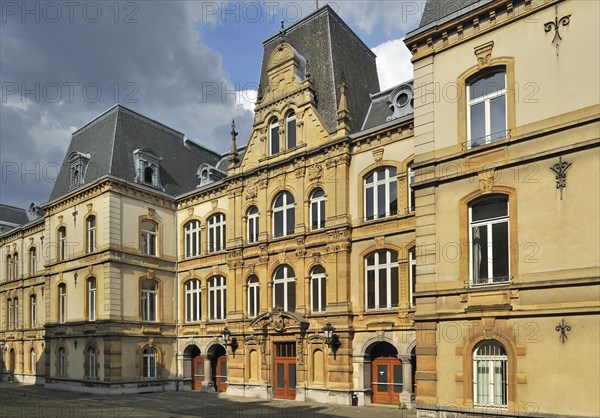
column 36, row 401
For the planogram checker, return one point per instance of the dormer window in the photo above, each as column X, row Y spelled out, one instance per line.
column 147, row 167
column 208, row 174
column 401, row 101
column 78, row 163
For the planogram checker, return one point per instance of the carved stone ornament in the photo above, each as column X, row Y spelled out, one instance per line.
column 151, row 213
column 190, row 212
column 484, row 54
column 378, row 155
column 486, row 180
column 315, row 172
column 251, row 192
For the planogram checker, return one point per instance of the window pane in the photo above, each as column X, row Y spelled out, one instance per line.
column 292, row 376
column 480, row 255
column 490, row 208
column 393, row 197
column 280, row 375
column 370, row 289
column 278, row 224
column 477, row 129
column 381, row 206
column 500, row 250
column 291, row 133
column 279, row 295
column 315, row 215
column 394, row 287
column 488, row 84
column 397, row 378
column 291, row 223
column 382, row 378
column 315, row 295
column 274, row 139
column 383, row 294
column 323, row 293
column 370, row 204
column 291, row 297
column 482, row 382
column 498, row 117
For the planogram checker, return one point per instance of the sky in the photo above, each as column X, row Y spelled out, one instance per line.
column 191, row 65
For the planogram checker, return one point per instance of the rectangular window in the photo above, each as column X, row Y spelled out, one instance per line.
column 91, row 234
column 62, row 303
column 486, row 98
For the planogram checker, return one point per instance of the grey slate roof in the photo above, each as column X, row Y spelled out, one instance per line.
column 334, row 54
column 110, row 140
column 379, row 110
column 437, row 9
column 13, row 215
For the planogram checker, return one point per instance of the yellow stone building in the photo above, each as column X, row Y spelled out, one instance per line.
column 433, row 245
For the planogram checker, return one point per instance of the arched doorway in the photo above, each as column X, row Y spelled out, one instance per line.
column 194, row 365
column 218, row 365
column 386, row 373
column 12, row 362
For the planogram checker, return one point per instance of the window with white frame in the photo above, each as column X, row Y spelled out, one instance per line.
column 489, row 238
column 412, row 273
column 61, row 362
column 290, row 130
column 91, row 296
column 78, row 163
column 62, row 243
column 253, row 296
column 217, row 298
column 490, row 369
column 192, row 301
column 284, row 214
column 9, row 314
column 317, row 209
column 318, row 289
column 148, row 237
column 9, row 267
column 149, row 359
column 16, row 313
column 411, row 190
column 284, row 289
column 149, row 299
column 192, row 239
column 216, row 233
column 32, row 261
column 91, row 363
column 486, row 102
column 252, row 220
column 381, row 193
column 274, row 136
column 16, row 265
column 32, row 311
column 91, row 234
column 381, row 273
column 62, row 303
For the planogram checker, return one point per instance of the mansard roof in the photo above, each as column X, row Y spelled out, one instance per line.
column 382, row 109
column 13, row 215
column 439, row 11
column 334, row 54
column 110, row 140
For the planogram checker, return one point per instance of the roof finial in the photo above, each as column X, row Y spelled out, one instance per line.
column 282, row 31
column 233, row 153
column 343, row 113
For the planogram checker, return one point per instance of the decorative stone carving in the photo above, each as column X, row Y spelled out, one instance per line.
column 484, row 54
column 151, row 213
column 486, row 180
column 378, row 155
column 251, row 192
column 315, row 172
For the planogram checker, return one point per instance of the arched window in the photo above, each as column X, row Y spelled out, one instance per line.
column 488, row 235
column 91, row 234
column 216, row 233
column 192, row 239
column 381, row 273
column 317, row 209
column 284, row 289
column 290, row 130
column 91, row 363
column 149, row 175
column 32, row 361
column 412, row 275
column 486, row 102
column 32, row 311
column 149, row 300
column 411, row 192
column 61, row 362
column 9, row 268
column 16, row 313
column 149, row 363
column 62, row 243
column 274, row 136
column 283, row 215
column 217, row 298
column 16, row 265
column 32, row 261
column 91, row 298
column 253, row 296
column 490, row 370
column 62, row 303
column 252, row 219
column 192, row 301
column 9, row 314
column 318, row 289
column 148, row 235
column 381, row 193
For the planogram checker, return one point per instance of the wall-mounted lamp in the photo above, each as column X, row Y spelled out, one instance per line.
column 331, row 339
column 226, row 335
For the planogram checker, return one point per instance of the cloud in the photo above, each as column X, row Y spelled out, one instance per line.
column 393, row 63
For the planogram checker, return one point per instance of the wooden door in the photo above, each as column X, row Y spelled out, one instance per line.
column 386, row 380
column 197, row 372
column 285, row 370
column 220, row 374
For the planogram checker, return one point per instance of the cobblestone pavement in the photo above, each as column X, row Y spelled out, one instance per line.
column 36, row 401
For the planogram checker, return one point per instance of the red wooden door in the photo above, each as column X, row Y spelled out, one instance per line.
column 197, row 372
column 386, row 380
column 220, row 374
column 285, row 370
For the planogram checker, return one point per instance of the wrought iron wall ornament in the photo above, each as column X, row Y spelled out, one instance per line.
column 564, row 21
column 563, row 328
column 561, row 174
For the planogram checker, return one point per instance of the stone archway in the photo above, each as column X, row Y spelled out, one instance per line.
column 217, row 367
column 193, row 366
column 389, row 374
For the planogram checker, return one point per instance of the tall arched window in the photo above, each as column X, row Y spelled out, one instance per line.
column 91, row 363
column 274, row 136
column 318, row 289
column 32, row 261
column 411, row 191
column 148, row 236
column 192, row 301
column 216, row 233
column 412, row 275
column 62, row 363
column 317, row 209
column 16, row 265
column 381, row 273
column 283, row 214
column 192, row 239
column 62, row 243
column 91, row 234
column 253, row 296
column 217, row 298
column 9, row 314
column 488, row 234
column 149, row 175
column 486, row 102
column 62, row 303
column 16, row 313
column 490, row 370
column 32, row 311
column 9, row 267
column 284, row 289
column 149, row 300
column 252, row 219
column 149, row 363
column 91, row 298
column 381, row 193
column 290, row 130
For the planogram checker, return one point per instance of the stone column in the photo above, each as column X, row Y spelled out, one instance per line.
column 207, row 385
column 407, row 393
